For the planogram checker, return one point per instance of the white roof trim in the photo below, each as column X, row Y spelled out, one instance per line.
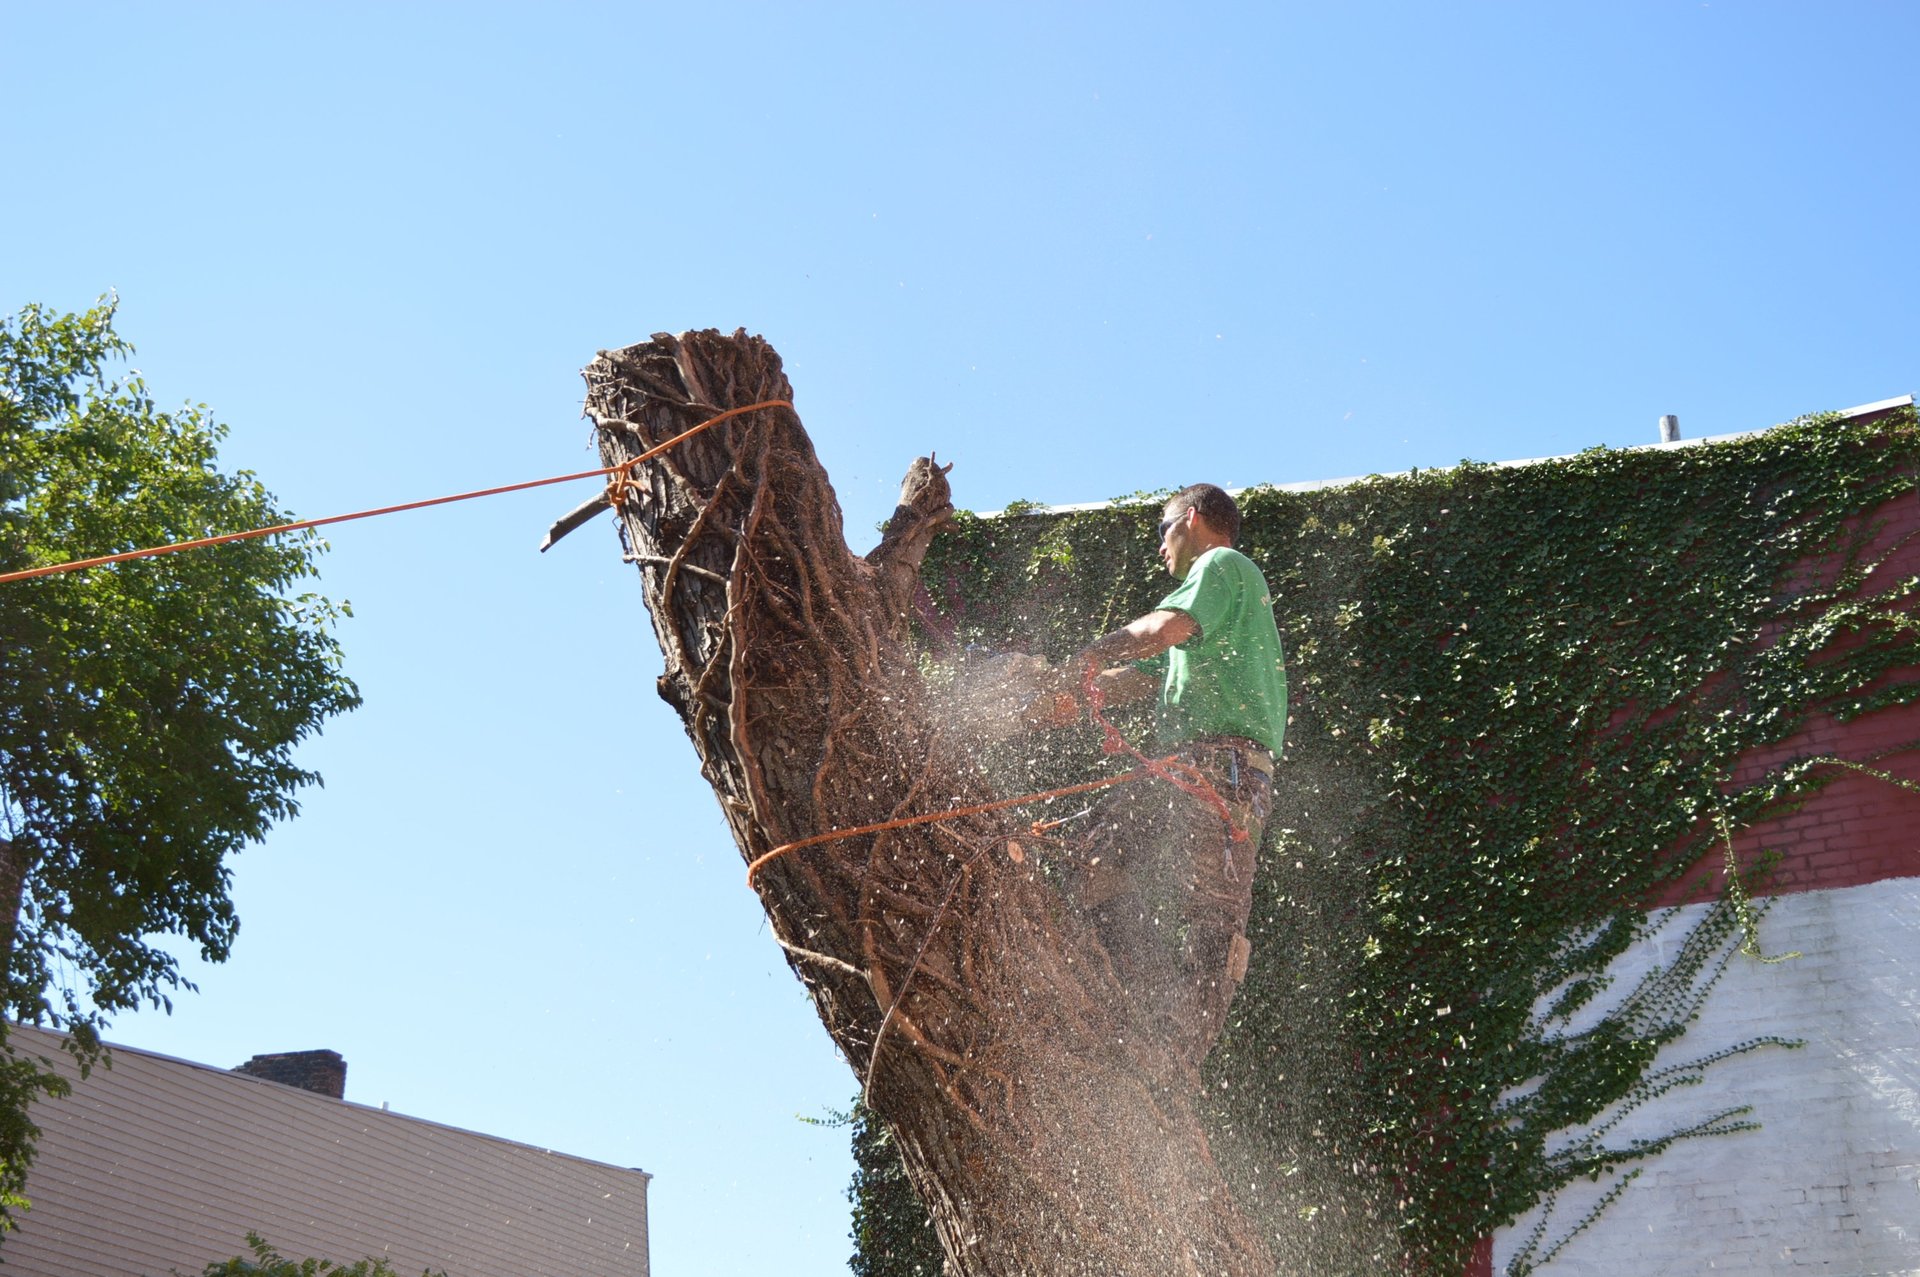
column 1315, row 485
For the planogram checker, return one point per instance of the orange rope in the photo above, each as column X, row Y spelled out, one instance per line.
column 1115, row 743
column 1198, row 787
column 928, row 818
column 153, row 551
column 1168, row 769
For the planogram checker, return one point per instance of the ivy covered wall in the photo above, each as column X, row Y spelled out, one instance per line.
column 1527, row 703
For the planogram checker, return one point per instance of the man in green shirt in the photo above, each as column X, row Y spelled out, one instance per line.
column 1169, row 881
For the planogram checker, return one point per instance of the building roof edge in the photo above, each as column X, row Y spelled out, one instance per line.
column 1317, row 485
column 317, row 1098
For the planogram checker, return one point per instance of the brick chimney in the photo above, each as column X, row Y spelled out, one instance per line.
column 322, row 1072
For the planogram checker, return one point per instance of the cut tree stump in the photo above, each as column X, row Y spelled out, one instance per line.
column 1047, row 1136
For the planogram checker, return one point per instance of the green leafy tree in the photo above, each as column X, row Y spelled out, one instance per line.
column 148, row 710
column 892, row 1234
column 267, row 1262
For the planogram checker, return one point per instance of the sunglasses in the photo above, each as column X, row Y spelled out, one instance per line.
column 1167, row 523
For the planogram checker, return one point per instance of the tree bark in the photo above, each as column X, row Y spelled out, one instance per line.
column 13, row 882
column 1046, row 1133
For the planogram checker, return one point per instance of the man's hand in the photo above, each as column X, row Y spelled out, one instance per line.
column 1125, row 684
column 1049, row 710
column 1060, row 704
column 1057, row 702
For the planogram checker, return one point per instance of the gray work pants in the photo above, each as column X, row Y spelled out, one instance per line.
column 1170, row 890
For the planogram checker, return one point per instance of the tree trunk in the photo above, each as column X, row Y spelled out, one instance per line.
column 13, row 882
column 1046, row 1135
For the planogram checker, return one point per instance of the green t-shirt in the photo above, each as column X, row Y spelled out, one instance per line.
column 1227, row 680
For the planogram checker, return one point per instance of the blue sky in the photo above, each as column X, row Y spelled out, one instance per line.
column 1079, row 249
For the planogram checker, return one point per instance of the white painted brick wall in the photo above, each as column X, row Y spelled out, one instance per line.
column 1831, row 1184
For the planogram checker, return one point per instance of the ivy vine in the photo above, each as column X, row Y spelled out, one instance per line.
column 1519, row 695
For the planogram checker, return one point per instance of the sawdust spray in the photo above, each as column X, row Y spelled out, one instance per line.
column 1286, row 1123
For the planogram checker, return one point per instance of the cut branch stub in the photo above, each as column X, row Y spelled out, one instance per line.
column 1046, row 1134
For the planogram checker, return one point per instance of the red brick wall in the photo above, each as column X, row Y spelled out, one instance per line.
column 1858, row 828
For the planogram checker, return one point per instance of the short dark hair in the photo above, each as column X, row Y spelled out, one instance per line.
column 1214, row 505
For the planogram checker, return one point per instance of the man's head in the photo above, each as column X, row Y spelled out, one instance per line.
column 1194, row 520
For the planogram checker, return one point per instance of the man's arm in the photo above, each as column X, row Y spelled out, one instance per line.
column 1138, row 639
column 1119, row 683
